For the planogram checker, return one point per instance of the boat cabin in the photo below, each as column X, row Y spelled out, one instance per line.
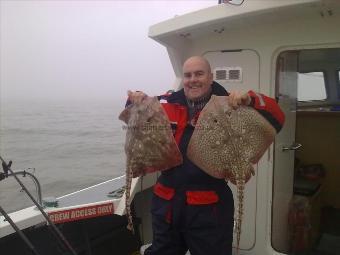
column 289, row 50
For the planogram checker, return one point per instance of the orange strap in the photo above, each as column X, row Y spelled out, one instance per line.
column 201, row 197
column 163, row 191
column 193, row 197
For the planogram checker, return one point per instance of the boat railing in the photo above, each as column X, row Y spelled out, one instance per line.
column 25, row 173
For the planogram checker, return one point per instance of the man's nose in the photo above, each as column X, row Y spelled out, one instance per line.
column 193, row 78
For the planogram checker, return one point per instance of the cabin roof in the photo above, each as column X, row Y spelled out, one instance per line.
column 212, row 19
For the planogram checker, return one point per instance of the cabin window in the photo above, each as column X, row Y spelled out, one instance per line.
column 311, row 86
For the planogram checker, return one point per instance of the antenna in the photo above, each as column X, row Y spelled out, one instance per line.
column 232, row 2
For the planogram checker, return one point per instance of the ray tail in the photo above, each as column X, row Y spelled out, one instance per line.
column 239, row 215
column 127, row 199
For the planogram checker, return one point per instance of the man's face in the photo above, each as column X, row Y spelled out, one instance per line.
column 197, row 78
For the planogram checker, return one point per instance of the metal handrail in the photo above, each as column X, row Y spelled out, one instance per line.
column 35, row 180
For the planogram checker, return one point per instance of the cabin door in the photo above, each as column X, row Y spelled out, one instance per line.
column 285, row 146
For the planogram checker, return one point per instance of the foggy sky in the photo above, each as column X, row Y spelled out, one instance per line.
column 84, row 49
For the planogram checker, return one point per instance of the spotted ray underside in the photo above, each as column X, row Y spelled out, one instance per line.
column 149, row 145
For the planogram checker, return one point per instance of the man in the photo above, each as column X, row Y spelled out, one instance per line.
column 190, row 209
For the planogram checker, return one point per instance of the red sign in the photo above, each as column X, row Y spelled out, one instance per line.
column 81, row 213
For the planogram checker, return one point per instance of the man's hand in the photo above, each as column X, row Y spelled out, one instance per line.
column 136, row 97
column 237, row 98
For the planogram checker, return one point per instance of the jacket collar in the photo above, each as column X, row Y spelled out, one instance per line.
column 179, row 97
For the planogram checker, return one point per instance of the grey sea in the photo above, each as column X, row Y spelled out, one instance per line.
column 68, row 145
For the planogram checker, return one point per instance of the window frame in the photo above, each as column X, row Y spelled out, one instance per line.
column 338, row 82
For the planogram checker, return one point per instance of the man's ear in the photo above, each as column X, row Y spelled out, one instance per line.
column 211, row 77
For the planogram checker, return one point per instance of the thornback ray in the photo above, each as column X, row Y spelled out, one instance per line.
column 149, row 145
column 227, row 142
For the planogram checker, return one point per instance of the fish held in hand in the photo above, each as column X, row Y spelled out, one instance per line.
column 149, row 145
column 227, row 142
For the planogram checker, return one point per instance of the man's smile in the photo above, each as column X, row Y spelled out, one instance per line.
column 195, row 86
